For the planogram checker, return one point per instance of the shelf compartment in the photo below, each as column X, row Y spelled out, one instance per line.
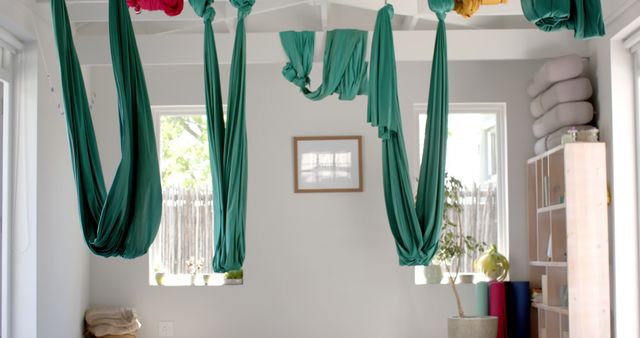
column 557, row 280
column 548, row 264
column 532, row 207
column 535, row 275
column 558, row 236
column 564, row 329
column 555, row 190
column 556, row 309
column 544, row 230
column 553, row 207
column 539, row 184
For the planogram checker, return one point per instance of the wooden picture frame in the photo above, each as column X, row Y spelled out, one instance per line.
column 330, row 164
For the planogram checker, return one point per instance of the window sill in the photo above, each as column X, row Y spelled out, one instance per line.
column 198, row 280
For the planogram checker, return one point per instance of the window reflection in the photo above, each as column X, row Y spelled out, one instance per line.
column 318, row 167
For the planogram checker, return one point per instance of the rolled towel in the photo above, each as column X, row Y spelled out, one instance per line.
column 555, row 139
column 566, row 91
column 563, row 115
column 556, row 70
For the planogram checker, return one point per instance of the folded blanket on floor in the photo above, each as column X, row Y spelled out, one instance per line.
column 554, row 139
column 563, row 115
column 566, row 91
column 112, row 322
column 103, row 330
column 556, row 70
column 123, row 314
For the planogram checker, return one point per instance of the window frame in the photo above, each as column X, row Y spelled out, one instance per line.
column 9, row 75
column 499, row 109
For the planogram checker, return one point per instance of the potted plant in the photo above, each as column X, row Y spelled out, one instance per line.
column 159, row 275
column 454, row 245
column 194, row 266
column 205, row 278
column 233, row 277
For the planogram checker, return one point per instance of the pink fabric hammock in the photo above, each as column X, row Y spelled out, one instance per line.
column 170, row 7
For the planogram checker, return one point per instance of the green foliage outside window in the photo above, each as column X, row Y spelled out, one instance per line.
column 185, row 153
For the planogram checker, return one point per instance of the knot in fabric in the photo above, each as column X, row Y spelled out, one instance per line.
column 441, row 7
column 389, row 9
column 203, row 9
column 292, row 76
column 243, row 6
column 209, row 14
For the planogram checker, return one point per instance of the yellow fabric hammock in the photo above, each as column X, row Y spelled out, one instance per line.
column 467, row 8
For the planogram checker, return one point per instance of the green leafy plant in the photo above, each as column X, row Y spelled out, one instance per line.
column 454, row 245
column 236, row 274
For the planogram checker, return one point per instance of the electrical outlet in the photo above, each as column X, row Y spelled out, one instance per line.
column 165, row 329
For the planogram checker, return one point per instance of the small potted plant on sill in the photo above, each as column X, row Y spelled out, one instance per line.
column 159, row 271
column 233, row 277
column 453, row 247
column 194, row 266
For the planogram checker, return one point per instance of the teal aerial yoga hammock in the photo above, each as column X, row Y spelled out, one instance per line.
column 415, row 226
column 582, row 16
column 123, row 222
column 345, row 66
column 227, row 144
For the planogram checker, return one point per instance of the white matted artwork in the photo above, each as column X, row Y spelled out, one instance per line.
column 327, row 163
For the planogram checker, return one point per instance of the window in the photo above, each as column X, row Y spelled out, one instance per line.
column 476, row 157
column 183, row 249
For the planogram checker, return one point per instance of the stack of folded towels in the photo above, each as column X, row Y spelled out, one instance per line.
column 560, row 93
column 109, row 322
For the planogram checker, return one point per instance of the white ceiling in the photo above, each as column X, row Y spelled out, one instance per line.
column 89, row 17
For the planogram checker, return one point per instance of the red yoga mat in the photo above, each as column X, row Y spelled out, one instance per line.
column 170, row 7
column 498, row 306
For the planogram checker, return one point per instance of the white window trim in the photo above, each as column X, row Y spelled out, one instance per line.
column 7, row 41
column 499, row 109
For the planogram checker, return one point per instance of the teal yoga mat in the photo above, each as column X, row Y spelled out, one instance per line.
column 482, row 299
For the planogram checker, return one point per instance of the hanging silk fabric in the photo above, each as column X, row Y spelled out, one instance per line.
column 227, row 144
column 124, row 221
column 415, row 226
column 345, row 66
column 467, row 8
column 169, row 7
column 582, row 16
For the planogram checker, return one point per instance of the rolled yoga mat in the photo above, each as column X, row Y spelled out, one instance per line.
column 578, row 89
column 482, row 299
column 498, row 306
column 563, row 115
column 518, row 307
column 556, row 70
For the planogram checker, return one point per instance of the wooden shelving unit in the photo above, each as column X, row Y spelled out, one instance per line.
column 568, row 241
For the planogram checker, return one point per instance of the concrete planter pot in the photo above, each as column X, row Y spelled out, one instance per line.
column 473, row 327
column 433, row 274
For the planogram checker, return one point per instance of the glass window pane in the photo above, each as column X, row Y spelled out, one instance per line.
column 184, row 243
column 472, row 159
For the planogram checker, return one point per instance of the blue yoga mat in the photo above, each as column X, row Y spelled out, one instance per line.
column 519, row 310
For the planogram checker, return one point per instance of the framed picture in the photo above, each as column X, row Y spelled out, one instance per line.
column 327, row 164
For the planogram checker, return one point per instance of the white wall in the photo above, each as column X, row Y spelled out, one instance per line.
column 2, row 112
column 49, row 286
column 613, row 81
column 63, row 257
column 317, row 265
